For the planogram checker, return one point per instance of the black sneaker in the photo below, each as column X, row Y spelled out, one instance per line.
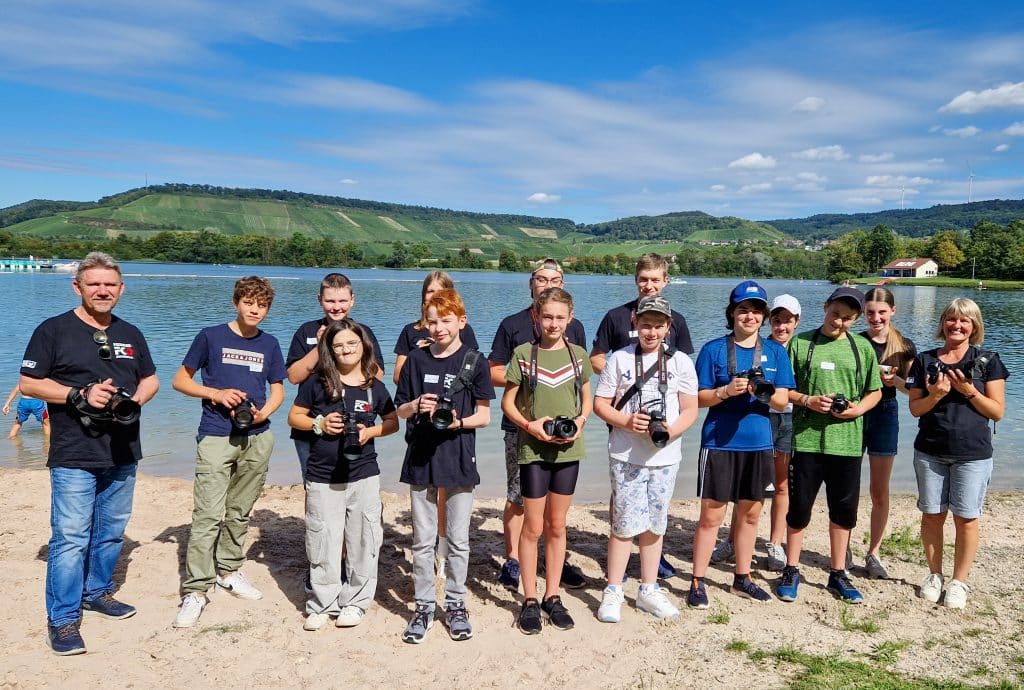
column 508, row 576
column 65, row 640
column 529, row 617
column 557, row 614
column 573, row 577
column 108, row 606
column 744, row 586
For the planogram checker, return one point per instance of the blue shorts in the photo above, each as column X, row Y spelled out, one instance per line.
column 882, row 428
column 782, row 431
column 30, row 407
column 957, row 485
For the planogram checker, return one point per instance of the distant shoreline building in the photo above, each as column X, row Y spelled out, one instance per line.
column 910, row 268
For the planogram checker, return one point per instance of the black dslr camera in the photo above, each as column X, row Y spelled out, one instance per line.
column 839, row 404
column 443, row 415
column 561, row 427
column 763, row 388
column 243, row 415
column 657, row 429
column 972, row 370
column 351, row 448
column 122, row 408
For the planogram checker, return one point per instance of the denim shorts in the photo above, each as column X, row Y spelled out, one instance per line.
column 948, row 484
column 882, row 428
column 782, row 431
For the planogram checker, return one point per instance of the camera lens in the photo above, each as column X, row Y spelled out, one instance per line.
column 243, row 416
column 442, row 416
column 123, row 409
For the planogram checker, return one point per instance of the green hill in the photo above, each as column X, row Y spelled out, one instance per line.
column 686, row 226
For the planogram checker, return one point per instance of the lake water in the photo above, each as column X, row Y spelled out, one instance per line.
column 171, row 302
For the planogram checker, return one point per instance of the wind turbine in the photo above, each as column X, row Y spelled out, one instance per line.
column 970, row 182
column 902, row 194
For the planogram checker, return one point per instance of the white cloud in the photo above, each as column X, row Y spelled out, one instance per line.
column 935, row 161
column 962, row 132
column 544, row 198
column 822, row 153
column 1001, row 148
column 348, row 180
column 896, row 181
column 811, row 104
column 717, row 188
column 759, row 187
column 811, row 177
column 1015, row 130
column 864, row 200
column 876, row 157
column 1003, row 96
column 342, row 93
column 753, row 161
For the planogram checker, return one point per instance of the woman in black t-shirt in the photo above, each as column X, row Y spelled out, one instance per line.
column 343, row 509
column 955, row 390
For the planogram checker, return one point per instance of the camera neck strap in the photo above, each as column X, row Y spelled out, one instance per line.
column 464, row 379
column 853, row 348
column 577, row 372
column 730, row 343
column 642, row 377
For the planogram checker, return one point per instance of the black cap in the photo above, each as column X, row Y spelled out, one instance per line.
column 853, row 296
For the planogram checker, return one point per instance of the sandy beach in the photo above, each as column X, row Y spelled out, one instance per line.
column 262, row 644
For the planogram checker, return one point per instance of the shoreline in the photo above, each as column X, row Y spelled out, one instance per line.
column 262, row 644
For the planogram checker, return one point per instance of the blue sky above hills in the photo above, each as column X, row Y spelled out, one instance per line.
column 590, row 110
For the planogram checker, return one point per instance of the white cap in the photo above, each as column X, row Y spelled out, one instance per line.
column 787, row 302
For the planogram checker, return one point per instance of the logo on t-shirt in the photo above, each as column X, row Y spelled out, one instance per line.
column 449, row 379
column 361, row 406
column 124, row 351
column 243, row 358
column 28, row 364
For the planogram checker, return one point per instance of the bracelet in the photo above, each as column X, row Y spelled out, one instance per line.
column 318, row 428
column 718, row 393
column 461, row 424
column 804, row 400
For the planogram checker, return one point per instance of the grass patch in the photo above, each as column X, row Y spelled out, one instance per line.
column 888, row 653
column 719, row 617
column 225, row 628
column 832, row 672
column 973, row 632
column 904, row 544
column 868, row 625
column 738, row 646
column 987, row 609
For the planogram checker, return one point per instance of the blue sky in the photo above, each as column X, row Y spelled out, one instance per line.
column 586, row 109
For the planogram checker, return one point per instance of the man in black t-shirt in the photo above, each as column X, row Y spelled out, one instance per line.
column 522, row 327
column 95, row 372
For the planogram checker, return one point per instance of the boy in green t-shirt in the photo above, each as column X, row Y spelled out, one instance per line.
column 837, row 383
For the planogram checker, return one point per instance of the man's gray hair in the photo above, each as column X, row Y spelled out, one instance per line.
column 96, row 260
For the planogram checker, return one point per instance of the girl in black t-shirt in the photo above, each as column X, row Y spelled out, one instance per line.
column 343, row 509
column 955, row 391
column 895, row 353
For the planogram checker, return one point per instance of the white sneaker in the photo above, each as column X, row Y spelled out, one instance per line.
column 956, row 594
column 315, row 621
column 776, row 557
column 350, row 617
column 931, row 588
column 723, row 552
column 192, row 605
column 236, row 585
column 653, row 601
column 610, row 610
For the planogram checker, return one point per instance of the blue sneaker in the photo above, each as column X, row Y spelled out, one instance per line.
column 789, row 584
column 697, row 597
column 65, row 640
column 508, row 577
column 839, row 584
column 108, row 606
column 665, row 569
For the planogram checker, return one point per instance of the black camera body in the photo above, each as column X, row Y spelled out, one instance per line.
column 122, row 408
column 351, row 448
column 443, row 415
column 763, row 388
column 243, row 415
column 839, row 404
column 971, row 370
column 561, row 427
column 657, row 429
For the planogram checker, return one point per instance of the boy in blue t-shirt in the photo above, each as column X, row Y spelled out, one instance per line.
column 237, row 361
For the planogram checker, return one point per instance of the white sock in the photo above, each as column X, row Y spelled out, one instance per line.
column 442, row 547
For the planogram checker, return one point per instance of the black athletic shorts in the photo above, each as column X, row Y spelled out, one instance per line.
column 538, row 478
column 841, row 475
column 730, row 475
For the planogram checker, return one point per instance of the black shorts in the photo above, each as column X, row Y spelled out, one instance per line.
column 539, row 478
column 729, row 475
column 841, row 475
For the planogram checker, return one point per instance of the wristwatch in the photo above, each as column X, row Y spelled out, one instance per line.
column 318, row 427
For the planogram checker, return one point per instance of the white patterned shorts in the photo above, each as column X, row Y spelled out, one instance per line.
column 640, row 498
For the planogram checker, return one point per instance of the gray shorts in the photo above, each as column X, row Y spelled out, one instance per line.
column 641, row 497
column 947, row 484
column 513, row 489
column 782, row 431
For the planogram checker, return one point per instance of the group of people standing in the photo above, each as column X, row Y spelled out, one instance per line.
column 787, row 413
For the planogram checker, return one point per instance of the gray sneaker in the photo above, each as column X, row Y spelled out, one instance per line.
column 422, row 621
column 724, row 552
column 849, row 559
column 456, row 619
column 776, row 557
column 875, row 568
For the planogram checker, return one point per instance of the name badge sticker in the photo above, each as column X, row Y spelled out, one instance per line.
column 634, row 334
column 764, row 358
column 431, row 378
column 828, row 366
column 311, row 341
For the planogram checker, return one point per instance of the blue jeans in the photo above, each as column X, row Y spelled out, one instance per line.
column 303, row 447
column 89, row 510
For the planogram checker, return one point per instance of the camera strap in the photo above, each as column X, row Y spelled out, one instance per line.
column 577, row 372
column 464, row 379
column 642, row 377
column 730, row 342
column 810, row 354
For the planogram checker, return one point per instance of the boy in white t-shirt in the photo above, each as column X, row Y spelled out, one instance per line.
column 643, row 451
